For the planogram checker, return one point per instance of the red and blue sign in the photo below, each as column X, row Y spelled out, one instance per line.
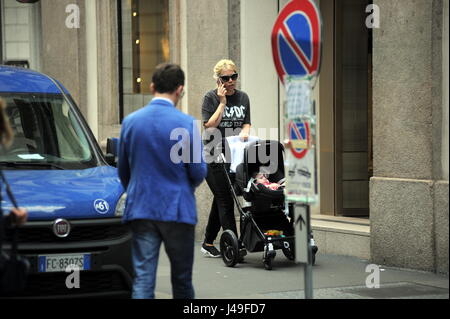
column 299, row 134
column 297, row 39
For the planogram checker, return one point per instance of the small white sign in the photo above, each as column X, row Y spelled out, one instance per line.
column 301, row 178
column 301, row 226
column 298, row 97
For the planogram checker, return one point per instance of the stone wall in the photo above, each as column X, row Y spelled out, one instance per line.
column 63, row 53
column 407, row 205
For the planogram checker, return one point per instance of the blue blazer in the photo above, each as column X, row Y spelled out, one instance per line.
column 160, row 164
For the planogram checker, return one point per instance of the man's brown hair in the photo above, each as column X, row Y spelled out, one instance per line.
column 167, row 77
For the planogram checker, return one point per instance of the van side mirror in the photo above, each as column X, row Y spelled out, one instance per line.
column 112, row 151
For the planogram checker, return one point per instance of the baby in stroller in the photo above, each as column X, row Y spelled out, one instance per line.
column 259, row 178
column 262, row 178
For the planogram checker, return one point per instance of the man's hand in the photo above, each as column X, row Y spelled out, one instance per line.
column 19, row 216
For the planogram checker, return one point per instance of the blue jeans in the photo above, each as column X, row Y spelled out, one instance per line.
column 179, row 245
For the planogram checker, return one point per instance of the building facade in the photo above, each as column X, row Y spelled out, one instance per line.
column 382, row 95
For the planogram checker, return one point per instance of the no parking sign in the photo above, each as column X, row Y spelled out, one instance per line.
column 299, row 135
column 297, row 39
column 300, row 163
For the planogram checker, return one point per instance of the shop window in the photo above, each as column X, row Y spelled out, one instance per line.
column 20, row 33
column 144, row 44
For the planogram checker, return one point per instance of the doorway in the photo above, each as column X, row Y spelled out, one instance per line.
column 352, row 108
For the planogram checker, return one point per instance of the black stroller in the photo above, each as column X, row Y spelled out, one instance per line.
column 266, row 223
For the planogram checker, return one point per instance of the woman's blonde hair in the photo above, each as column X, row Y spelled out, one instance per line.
column 224, row 64
column 6, row 134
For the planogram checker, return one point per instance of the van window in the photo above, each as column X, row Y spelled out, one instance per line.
column 47, row 133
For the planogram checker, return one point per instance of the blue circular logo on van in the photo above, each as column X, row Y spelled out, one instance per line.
column 101, row 206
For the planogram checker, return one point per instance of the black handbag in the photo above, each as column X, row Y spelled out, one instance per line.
column 13, row 267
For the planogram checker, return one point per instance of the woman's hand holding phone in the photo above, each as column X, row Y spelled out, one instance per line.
column 221, row 92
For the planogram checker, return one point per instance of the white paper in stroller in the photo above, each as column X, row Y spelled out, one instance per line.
column 237, row 147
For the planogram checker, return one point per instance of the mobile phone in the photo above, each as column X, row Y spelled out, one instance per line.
column 219, row 81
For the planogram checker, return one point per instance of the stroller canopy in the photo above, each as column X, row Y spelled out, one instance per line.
column 266, row 156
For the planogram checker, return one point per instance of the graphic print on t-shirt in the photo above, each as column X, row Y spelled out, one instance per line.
column 233, row 116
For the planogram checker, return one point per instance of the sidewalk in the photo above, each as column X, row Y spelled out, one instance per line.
column 334, row 277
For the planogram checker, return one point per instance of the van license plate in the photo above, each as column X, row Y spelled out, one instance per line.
column 59, row 263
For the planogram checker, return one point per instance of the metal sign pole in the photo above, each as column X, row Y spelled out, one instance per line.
column 303, row 251
column 308, row 265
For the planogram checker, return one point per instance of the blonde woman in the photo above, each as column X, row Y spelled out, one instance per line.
column 6, row 135
column 225, row 110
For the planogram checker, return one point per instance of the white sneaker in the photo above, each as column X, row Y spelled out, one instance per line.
column 210, row 251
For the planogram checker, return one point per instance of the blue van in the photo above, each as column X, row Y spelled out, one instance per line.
column 72, row 192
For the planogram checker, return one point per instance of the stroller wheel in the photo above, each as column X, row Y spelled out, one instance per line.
column 289, row 250
column 269, row 256
column 229, row 248
column 314, row 252
column 289, row 253
column 268, row 263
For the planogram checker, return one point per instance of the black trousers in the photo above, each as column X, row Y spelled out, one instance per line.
column 222, row 208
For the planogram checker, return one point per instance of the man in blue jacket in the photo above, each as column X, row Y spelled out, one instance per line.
column 160, row 165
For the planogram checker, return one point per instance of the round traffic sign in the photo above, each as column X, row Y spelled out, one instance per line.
column 299, row 136
column 297, row 39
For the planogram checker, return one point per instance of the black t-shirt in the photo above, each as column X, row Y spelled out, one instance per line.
column 235, row 115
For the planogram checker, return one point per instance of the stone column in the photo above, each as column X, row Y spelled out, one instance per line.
column 64, row 49
column 108, row 69
column 205, row 32
column 407, row 93
column 204, row 41
column 65, row 57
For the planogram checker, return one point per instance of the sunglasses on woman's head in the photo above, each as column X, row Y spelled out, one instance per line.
column 226, row 78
